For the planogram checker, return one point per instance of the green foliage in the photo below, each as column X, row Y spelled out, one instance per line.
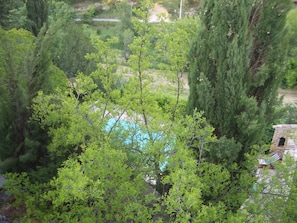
column 291, row 70
column 128, row 38
column 25, row 69
column 291, row 23
column 99, row 186
column 175, row 41
column 291, row 73
column 124, row 13
column 70, row 114
column 69, row 38
column 111, row 186
column 235, row 82
column 82, row 134
column 104, row 162
column 224, row 151
column 125, row 26
column 18, row 184
column 37, row 13
column 289, row 115
column 173, row 45
column 177, row 172
column 59, row 11
column 271, row 198
column 25, row 193
column 6, row 8
column 184, row 198
column 17, row 17
column 15, row 95
column 290, row 214
column 89, row 15
column 103, row 55
column 184, row 201
column 215, row 179
column 72, row 39
column 4, row 12
column 265, row 61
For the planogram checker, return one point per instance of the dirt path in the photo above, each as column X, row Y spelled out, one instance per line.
column 159, row 80
column 158, row 13
column 290, row 95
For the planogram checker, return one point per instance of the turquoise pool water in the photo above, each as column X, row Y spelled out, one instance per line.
column 134, row 134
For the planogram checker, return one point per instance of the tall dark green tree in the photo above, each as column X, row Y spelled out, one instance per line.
column 37, row 15
column 25, row 69
column 5, row 10
column 236, row 65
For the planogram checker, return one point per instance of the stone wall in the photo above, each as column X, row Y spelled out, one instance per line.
column 281, row 137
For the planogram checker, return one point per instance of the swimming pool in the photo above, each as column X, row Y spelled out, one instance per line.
column 134, row 134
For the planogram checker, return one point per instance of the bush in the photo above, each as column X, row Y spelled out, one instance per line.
column 89, row 15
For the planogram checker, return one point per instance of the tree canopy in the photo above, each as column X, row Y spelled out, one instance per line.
column 236, row 66
column 88, row 134
column 26, row 68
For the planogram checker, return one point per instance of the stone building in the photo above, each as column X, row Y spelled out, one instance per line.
column 284, row 140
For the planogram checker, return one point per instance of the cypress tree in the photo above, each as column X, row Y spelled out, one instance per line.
column 5, row 7
column 4, row 11
column 37, row 15
column 25, row 69
column 234, row 68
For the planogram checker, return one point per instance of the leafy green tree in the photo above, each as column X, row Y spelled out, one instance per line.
column 81, row 123
column 125, row 14
column 272, row 195
column 223, row 151
column 236, row 66
column 120, row 190
column 289, row 114
column 291, row 71
column 125, row 27
column 68, row 114
column 173, row 45
column 72, row 39
column 77, row 131
column 103, row 189
column 96, row 186
column 184, row 201
column 138, row 90
column 59, row 11
column 289, row 213
column 112, row 174
column 68, row 38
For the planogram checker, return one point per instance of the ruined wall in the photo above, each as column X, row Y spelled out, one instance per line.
column 282, row 135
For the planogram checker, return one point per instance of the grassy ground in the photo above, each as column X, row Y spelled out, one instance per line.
column 101, row 11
